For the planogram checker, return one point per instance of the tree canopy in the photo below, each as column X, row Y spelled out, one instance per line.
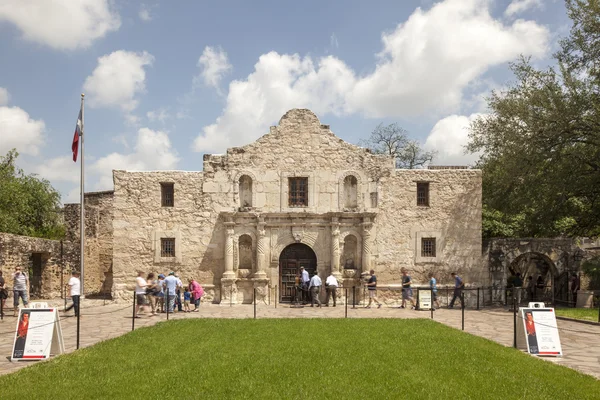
column 28, row 205
column 540, row 141
column 393, row 140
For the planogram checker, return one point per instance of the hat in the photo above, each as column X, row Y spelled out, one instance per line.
column 171, row 273
column 161, row 275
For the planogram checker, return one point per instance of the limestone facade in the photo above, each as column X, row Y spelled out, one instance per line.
column 299, row 195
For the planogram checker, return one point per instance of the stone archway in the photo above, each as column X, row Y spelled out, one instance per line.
column 542, row 270
column 293, row 257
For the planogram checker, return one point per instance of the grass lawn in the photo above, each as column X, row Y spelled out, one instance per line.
column 298, row 359
column 588, row 314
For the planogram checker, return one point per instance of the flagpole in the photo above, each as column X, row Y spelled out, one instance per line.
column 82, row 207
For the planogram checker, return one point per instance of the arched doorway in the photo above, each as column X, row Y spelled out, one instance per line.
column 291, row 259
column 542, row 271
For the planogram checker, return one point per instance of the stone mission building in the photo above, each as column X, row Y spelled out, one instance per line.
column 298, row 196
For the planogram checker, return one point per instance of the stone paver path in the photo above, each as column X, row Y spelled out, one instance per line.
column 580, row 342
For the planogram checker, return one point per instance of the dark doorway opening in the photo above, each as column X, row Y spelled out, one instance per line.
column 291, row 259
column 35, row 275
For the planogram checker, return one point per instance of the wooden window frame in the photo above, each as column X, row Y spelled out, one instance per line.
column 167, row 247
column 428, row 247
column 167, row 189
column 423, row 194
column 298, row 191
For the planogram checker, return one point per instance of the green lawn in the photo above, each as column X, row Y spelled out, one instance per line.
column 588, row 314
column 298, row 359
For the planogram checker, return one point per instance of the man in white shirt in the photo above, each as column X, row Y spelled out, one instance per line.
column 75, row 291
column 20, row 285
column 140, row 293
column 305, row 284
column 315, row 288
column 331, row 285
column 171, row 283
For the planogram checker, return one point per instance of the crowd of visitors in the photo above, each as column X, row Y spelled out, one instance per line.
column 159, row 294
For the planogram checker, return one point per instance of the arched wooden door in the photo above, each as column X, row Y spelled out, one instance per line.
column 291, row 259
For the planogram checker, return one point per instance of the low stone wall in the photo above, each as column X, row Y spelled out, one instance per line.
column 47, row 262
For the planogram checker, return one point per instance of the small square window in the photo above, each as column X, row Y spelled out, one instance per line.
column 167, row 247
column 428, row 247
column 167, row 192
column 298, row 192
column 423, row 194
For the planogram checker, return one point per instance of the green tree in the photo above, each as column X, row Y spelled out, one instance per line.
column 28, row 205
column 393, row 140
column 540, row 141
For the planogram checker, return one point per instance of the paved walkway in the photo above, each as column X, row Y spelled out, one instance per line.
column 580, row 342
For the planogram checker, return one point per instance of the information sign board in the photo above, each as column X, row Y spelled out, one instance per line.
column 38, row 334
column 538, row 332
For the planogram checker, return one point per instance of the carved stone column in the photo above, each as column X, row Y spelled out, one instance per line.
column 335, row 248
column 366, row 244
column 261, row 249
column 229, row 250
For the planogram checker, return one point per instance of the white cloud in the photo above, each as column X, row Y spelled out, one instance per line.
column 214, row 65
column 160, row 115
column 426, row 65
column 144, row 13
column 60, row 168
column 449, row 137
column 117, row 79
column 61, row 24
column 4, row 96
column 519, row 6
column 152, row 151
column 18, row 130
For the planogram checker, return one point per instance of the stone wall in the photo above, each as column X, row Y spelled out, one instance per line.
column 98, row 257
column 57, row 259
column 355, row 199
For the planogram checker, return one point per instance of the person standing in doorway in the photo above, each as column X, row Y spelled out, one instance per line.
column 305, row 284
column 20, row 285
column 75, row 291
column 433, row 287
column 575, row 285
column 518, row 287
column 331, row 284
column 315, row 289
column 530, row 288
column 458, row 288
column 372, row 289
column 407, row 293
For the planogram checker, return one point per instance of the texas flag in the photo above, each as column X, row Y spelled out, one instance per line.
column 75, row 145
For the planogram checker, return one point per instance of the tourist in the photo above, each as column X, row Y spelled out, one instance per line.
column 458, row 288
column 530, row 288
column 315, row 288
column 433, row 287
column 3, row 294
column 178, row 293
column 372, row 289
column 187, row 297
column 170, row 286
column 140, row 293
column 407, row 293
column 331, row 285
column 517, row 288
column 160, row 295
column 151, row 290
column 305, row 284
column 197, row 293
column 75, row 290
column 20, row 285
column 575, row 286
column 540, row 285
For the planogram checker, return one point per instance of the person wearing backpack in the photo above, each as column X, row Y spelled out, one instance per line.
column 197, row 293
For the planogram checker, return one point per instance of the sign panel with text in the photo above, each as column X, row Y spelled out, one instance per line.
column 38, row 333
column 424, row 299
column 540, row 332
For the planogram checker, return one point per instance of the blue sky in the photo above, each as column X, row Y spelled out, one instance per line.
column 166, row 82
